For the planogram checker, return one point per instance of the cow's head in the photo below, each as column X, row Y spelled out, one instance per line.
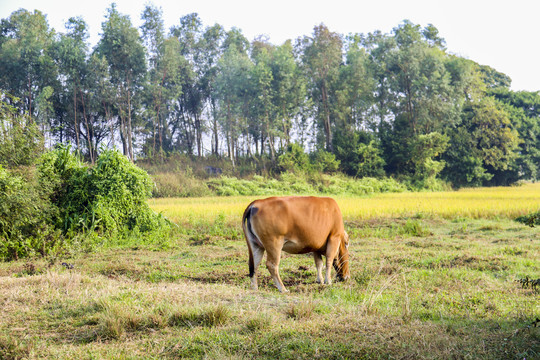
column 341, row 263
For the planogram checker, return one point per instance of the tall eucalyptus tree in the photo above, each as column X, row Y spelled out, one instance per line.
column 322, row 57
column 122, row 46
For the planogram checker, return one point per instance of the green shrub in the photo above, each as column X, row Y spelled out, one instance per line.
column 294, row 159
column 25, row 219
column 369, row 160
column 324, row 161
column 530, row 219
column 108, row 198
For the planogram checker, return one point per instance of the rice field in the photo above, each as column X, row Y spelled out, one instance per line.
column 488, row 203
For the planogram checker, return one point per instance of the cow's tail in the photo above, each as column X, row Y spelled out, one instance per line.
column 251, row 238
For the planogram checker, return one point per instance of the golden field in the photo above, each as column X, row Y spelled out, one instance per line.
column 508, row 202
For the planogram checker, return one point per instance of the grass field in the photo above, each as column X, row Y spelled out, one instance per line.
column 476, row 203
column 433, row 277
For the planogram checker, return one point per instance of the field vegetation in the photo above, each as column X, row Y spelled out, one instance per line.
column 434, row 275
column 475, row 203
column 207, row 121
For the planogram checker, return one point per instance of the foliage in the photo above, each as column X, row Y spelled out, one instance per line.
column 325, row 162
column 21, row 141
column 66, row 202
column 179, row 183
column 424, row 151
column 25, row 218
column 371, row 101
column 530, row 219
column 298, row 184
column 294, row 159
column 370, row 162
column 109, row 198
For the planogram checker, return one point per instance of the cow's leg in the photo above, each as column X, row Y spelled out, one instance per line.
column 332, row 249
column 318, row 266
column 272, row 263
column 258, row 253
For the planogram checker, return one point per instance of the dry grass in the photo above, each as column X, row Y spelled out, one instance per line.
column 421, row 288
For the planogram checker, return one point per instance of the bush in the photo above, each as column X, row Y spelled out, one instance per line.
column 26, row 230
column 109, row 198
column 294, row 159
column 369, row 161
column 531, row 219
column 324, row 161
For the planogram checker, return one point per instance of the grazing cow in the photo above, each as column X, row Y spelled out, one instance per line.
column 297, row 225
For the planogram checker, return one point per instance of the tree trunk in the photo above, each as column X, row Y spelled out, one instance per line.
column 30, row 97
column 88, row 132
column 109, row 120
column 198, row 134
column 129, row 129
column 75, row 116
column 231, row 150
column 326, row 119
column 271, row 146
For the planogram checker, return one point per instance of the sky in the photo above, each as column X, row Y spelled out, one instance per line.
column 500, row 33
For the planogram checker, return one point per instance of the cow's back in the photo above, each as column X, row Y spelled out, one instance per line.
column 307, row 220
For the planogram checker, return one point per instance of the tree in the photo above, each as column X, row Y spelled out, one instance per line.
column 208, row 61
column 122, row 47
column 369, row 161
column 232, row 88
column 523, row 108
column 483, row 145
column 321, row 56
column 264, row 122
column 153, row 38
column 464, row 165
column 71, row 56
column 26, row 67
column 491, row 128
column 424, row 150
column 294, row 159
column 355, row 89
column 21, row 141
column 288, row 88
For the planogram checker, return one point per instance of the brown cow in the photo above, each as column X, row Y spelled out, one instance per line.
column 297, row 225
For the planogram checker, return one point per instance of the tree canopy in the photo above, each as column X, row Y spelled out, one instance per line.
column 396, row 104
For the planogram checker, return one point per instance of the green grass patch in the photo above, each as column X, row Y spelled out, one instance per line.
column 420, row 288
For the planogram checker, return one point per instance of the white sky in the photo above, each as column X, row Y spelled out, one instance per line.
column 503, row 34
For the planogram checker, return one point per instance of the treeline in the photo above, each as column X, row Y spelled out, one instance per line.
column 368, row 105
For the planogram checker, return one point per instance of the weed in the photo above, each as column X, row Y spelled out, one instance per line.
column 13, row 349
column 414, row 228
column 363, row 277
column 259, row 323
column 534, row 284
column 215, row 316
column 110, row 327
column 301, row 310
column 30, row 269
